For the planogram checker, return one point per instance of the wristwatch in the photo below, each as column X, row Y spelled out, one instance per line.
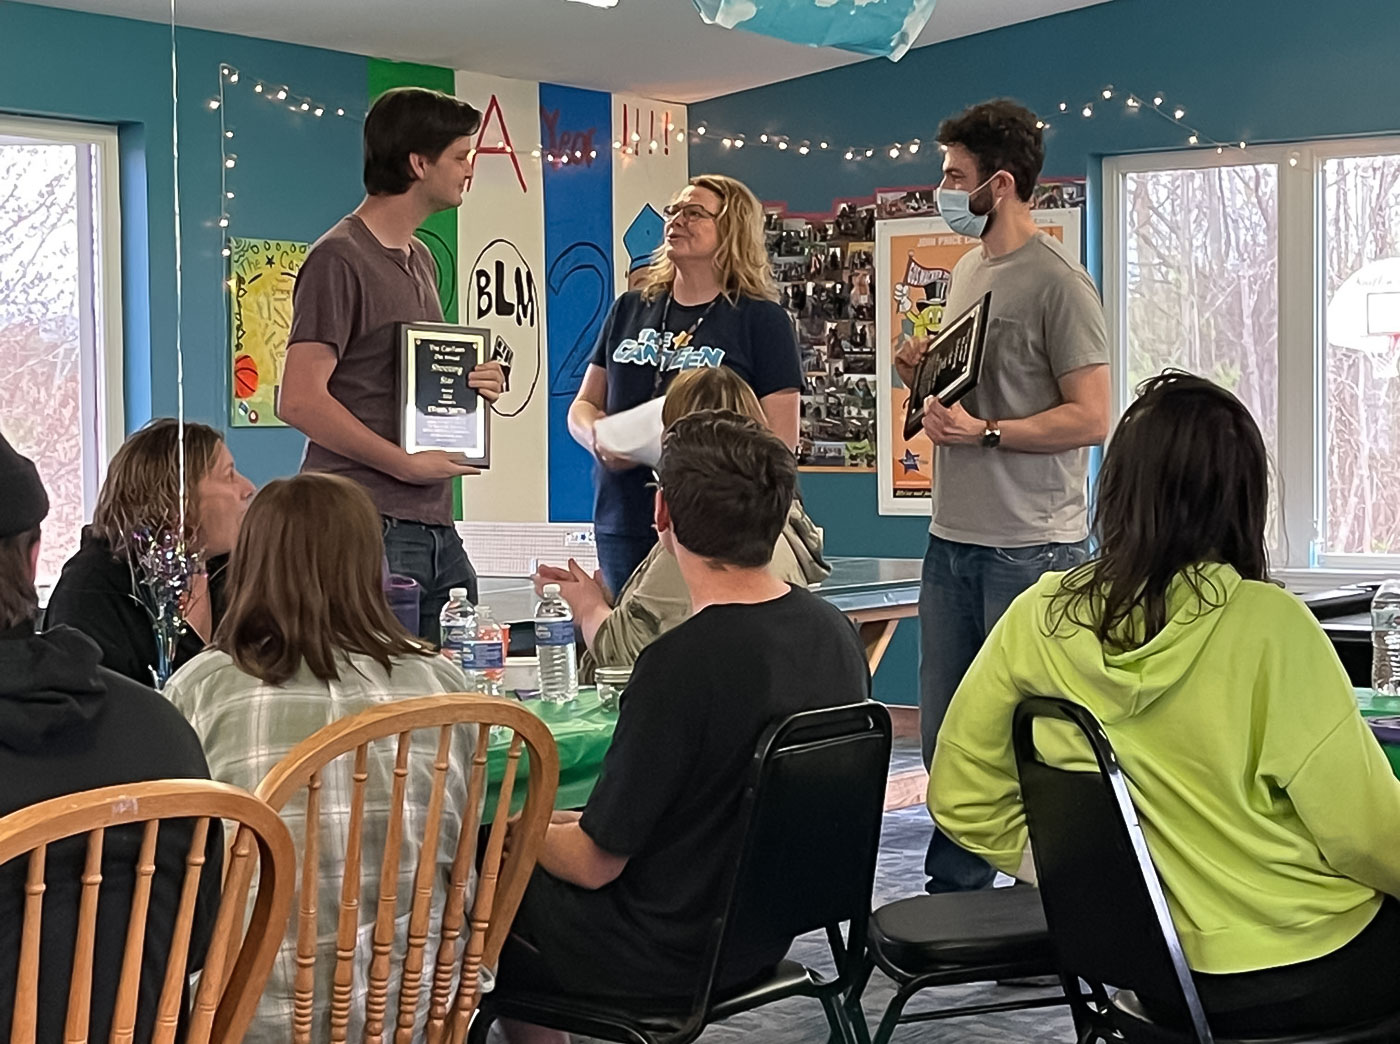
column 991, row 435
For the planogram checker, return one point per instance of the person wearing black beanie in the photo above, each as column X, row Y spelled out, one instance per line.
column 68, row 724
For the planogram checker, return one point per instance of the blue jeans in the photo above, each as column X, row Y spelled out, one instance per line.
column 434, row 556
column 619, row 554
column 965, row 589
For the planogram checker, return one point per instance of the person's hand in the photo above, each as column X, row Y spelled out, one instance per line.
column 576, row 587
column 489, row 379
column 430, row 466
column 611, row 461
column 950, row 425
column 910, row 352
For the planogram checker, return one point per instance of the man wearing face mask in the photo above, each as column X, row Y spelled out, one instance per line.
column 1011, row 458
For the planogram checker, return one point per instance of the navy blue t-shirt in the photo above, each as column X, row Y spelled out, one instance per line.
column 754, row 338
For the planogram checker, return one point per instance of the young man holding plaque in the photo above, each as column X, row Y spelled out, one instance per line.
column 362, row 278
column 1011, row 458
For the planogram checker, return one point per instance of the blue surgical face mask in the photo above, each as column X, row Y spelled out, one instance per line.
column 955, row 207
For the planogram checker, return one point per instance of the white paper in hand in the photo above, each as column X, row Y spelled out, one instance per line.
column 634, row 434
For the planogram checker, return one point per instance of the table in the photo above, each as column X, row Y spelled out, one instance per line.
column 1373, row 706
column 874, row 593
column 582, row 730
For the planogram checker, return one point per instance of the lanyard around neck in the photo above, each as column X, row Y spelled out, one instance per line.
column 680, row 340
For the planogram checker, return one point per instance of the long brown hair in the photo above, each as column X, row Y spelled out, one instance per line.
column 142, row 487
column 1185, row 482
column 306, row 583
column 741, row 262
column 710, row 388
column 19, row 602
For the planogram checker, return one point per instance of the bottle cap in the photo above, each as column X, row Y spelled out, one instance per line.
column 551, row 590
column 458, row 593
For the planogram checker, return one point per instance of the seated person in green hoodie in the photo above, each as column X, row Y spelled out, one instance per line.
column 1270, row 811
column 655, row 599
column 67, row 725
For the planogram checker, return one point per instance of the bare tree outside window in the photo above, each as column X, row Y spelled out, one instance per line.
column 1361, row 229
column 41, row 398
column 1202, row 282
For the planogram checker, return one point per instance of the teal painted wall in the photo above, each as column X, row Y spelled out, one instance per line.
column 296, row 176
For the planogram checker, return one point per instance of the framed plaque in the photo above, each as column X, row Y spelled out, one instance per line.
column 951, row 365
column 439, row 411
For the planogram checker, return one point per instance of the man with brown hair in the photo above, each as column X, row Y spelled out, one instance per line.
column 360, row 279
column 67, row 725
column 627, row 891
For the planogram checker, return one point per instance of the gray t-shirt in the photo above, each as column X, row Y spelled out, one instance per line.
column 350, row 292
column 1046, row 320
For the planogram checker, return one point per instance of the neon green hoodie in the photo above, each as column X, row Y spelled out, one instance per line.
column 1271, row 813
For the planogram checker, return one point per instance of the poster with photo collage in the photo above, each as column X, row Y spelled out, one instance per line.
column 825, row 270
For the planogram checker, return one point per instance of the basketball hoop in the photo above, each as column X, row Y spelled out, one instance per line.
column 1364, row 315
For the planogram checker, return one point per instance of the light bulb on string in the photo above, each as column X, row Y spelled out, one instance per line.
column 226, row 251
column 319, row 110
column 824, row 145
column 1133, row 103
column 1064, row 106
column 1241, row 144
column 636, row 136
column 213, row 103
column 782, row 146
column 1107, row 92
column 578, row 154
column 228, row 134
column 618, row 144
column 803, row 149
column 1179, row 112
column 223, row 221
column 258, row 89
column 700, row 130
column 340, row 112
column 914, row 146
column 763, row 138
column 680, row 135
column 727, row 142
column 535, row 153
column 228, row 195
column 869, row 153
column 653, row 144
column 1192, row 140
column 1157, row 99
column 1087, row 111
column 738, row 143
column 233, row 76
column 305, row 106
column 894, row 152
column 1220, row 150
column 1039, row 124
column 282, row 94
column 850, row 154
column 592, row 153
column 230, row 161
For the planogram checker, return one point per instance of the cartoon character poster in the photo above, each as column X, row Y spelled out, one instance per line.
column 914, row 260
column 261, row 274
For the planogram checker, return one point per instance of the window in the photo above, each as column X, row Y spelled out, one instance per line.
column 60, row 329
column 1276, row 272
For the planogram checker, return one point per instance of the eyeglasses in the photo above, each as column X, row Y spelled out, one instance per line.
column 688, row 212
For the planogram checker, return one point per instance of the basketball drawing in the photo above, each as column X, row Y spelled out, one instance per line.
column 245, row 377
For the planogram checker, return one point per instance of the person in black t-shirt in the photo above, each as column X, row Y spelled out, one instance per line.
column 625, row 895
column 709, row 300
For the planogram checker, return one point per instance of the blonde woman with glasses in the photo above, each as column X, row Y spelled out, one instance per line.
column 708, row 300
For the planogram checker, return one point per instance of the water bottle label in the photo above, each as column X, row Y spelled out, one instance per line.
column 483, row 655
column 554, row 632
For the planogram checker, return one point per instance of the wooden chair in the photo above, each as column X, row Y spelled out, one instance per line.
column 233, row 975
column 502, row 878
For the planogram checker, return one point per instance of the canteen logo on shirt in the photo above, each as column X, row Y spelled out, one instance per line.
column 651, row 348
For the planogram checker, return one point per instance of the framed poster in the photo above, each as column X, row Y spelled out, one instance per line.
column 261, row 274
column 439, row 410
column 914, row 261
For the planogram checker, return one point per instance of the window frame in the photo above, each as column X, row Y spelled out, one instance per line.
column 100, row 287
column 1301, row 464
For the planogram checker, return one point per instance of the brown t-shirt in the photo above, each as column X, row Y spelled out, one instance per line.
column 350, row 292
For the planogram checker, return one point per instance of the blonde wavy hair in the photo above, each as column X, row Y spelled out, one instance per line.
column 741, row 262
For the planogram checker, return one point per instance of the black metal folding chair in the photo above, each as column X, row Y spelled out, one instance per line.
column 812, row 809
column 1104, row 902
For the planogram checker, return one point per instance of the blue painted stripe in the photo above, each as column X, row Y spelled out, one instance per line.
column 578, row 233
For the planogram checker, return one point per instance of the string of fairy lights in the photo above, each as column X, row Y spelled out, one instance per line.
column 276, row 92
column 1133, row 104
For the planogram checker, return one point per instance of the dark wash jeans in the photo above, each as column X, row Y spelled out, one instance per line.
column 434, row 556
column 965, row 590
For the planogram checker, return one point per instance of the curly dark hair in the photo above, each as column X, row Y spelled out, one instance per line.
column 1185, row 482
column 1001, row 135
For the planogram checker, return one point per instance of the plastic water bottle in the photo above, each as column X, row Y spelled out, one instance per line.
column 489, row 652
column 458, row 623
column 554, row 642
column 1385, row 639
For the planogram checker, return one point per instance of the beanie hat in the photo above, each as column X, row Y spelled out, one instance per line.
column 23, row 502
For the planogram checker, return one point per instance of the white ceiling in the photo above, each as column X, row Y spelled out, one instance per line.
column 658, row 48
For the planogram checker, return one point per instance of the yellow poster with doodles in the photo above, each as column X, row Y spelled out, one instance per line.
column 261, row 274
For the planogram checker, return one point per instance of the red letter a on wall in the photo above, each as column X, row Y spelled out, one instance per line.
column 499, row 140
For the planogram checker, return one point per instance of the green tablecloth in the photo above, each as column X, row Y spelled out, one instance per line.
column 1373, row 706
column 582, row 731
